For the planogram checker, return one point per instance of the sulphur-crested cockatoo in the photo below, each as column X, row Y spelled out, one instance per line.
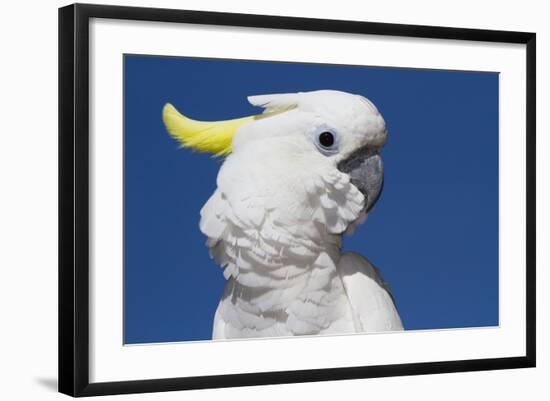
column 294, row 179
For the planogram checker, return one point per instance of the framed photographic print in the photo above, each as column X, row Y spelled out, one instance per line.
column 249, row 199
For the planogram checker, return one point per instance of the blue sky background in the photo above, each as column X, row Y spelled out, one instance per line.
column 433, row 234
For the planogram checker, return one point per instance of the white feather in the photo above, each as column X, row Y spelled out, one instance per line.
column 275, row 224
column 369, row 296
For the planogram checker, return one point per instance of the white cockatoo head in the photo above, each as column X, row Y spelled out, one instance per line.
column 312, row 156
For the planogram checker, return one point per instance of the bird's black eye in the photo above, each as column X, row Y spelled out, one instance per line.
column 326, row 139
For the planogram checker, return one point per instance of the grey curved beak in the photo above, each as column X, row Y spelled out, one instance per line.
column 366, row 172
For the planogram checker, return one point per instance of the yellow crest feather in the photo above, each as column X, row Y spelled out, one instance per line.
column 202, row 136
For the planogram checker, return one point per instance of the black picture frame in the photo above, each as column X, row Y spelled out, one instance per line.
column 74, row 194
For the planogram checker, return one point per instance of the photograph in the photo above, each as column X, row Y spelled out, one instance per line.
column 272, row 201
column 279, row 199
column 257, row 199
